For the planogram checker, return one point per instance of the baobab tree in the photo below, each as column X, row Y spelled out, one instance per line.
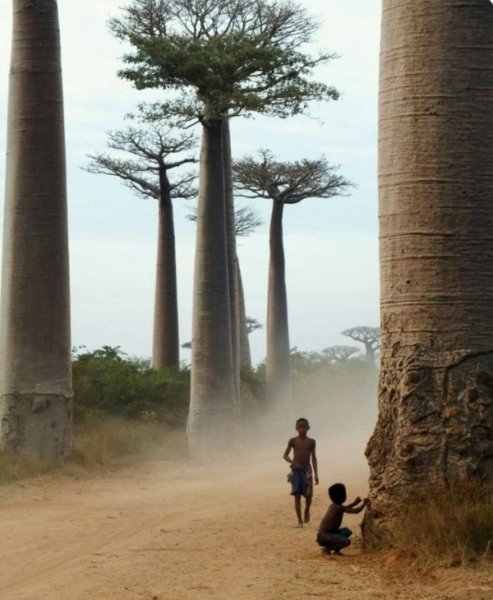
column 435, row 420
column 339, row 354
column 369, row 337
column 156, row 149
column 283, row 183
column 35, row 366
column 223, row 58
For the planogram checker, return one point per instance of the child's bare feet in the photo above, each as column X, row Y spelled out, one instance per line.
column 307, row 515
column 300, row 524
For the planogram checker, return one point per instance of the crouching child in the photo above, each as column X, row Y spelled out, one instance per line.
column 330, row 534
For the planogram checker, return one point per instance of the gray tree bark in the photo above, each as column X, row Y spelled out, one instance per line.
column 35, row 365
column 213, row 408
column 278, row 371
column 166, row 344
column 435, row 418
column 232, row 256
column 245, row 354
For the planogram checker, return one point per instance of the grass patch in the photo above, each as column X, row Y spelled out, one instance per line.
column 104, row 443
column 14, row 467
column 121, row 442
column 447, row 526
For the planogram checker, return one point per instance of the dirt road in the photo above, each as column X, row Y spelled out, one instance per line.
column 188, row 532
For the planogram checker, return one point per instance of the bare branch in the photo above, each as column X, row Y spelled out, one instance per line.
column 287, row 182
column 155, row 150
column 246, row 220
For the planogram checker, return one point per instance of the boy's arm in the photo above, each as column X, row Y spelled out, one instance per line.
column 356, row 501
column 355, row 510
column 315, row 462
column 286, row 456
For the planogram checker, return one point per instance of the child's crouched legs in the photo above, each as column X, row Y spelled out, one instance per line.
column 334, row 542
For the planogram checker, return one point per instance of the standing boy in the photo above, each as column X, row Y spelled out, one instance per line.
column 301, row 475
column 330, row 534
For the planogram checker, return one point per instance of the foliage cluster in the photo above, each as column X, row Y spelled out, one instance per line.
column 446, row 526
column 237, row 56
column 108, row 384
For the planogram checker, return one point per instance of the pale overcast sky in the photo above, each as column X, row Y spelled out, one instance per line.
column 331, row 245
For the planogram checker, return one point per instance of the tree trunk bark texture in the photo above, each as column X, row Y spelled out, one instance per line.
column 245, row 354
column 213, row 408
column 435, row 420
column 35, row 366
column 232, row 255
column 165, row 348
column 278, row 379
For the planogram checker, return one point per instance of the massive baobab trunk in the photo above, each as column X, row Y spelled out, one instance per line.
column 166, row 345
column 436, row 233
column 278, row 379
column 35, row 369
column 212, row 400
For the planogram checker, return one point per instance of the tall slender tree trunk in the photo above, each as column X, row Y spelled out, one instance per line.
column 435, row 418
column 232, row 255
column 165, row 348
column 245, row 354
column 35, row 366
column 212, row 401
column 278, row 380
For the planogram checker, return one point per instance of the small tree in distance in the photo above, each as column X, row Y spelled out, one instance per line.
column 338, row 354
column 369, row 336
column 156, row 149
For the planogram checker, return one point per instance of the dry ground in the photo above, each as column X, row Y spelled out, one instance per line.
column 188, row 531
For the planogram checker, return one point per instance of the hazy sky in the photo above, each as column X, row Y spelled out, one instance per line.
column 331, row 245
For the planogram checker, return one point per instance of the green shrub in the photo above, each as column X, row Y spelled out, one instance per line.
column 107, row 383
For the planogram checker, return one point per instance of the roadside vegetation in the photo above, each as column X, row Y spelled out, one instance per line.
column 445, row 526
column 126, row 412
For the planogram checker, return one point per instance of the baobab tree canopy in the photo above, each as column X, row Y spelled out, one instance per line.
column 368, row 336
column 156, row 149
column 236, row 56
column 287, row 182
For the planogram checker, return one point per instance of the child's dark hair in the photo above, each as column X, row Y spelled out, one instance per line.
column 337, row 493
column 302, row 420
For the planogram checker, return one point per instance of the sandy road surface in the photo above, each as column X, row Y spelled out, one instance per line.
column 187, row 532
